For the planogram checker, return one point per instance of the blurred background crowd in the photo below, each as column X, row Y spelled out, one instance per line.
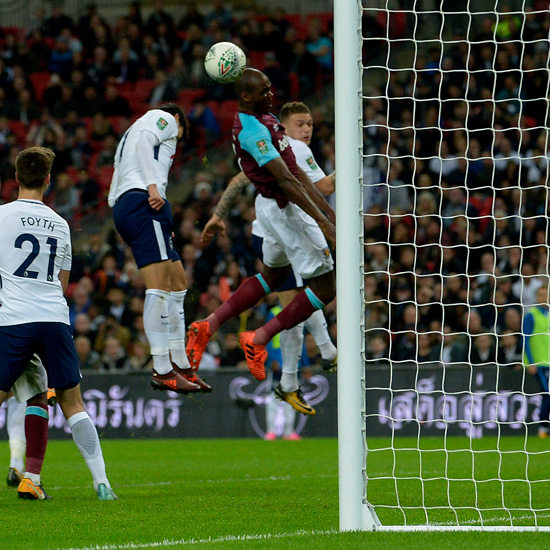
column 456, row 165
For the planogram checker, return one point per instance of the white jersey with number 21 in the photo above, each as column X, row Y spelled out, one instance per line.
column 35, row 244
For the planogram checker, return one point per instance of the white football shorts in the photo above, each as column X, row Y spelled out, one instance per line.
column 292, row 237
column 33, row 381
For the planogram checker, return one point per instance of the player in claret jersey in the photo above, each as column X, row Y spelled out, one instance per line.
column 143, row 217
column 298, row 124
column 35, row 261
column 296, row 222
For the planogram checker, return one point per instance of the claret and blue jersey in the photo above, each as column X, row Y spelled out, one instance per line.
column 258, row 139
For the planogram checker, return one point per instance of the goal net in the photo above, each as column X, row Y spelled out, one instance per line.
column 448, row 282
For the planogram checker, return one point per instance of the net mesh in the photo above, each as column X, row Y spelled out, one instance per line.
column 455, row 204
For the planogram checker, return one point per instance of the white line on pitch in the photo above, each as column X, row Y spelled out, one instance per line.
column 190, row 542
column 194, row 481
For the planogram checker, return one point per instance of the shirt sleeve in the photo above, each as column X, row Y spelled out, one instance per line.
column 163, row 125
column 67, row 260
column 306, row 161
column 255, row 139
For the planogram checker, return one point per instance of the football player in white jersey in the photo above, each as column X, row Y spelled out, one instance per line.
column 143, row 218
column 35, row 261
column 298, row 122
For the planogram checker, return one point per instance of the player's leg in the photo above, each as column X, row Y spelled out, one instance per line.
column 27, row 379
column 317, row 326
column 292, row 235
column 149, row 234
column 58, row 352
column 176, row 310
column 36, row 432
column 156, row 321
column 86, row 439
column 249, row 293
column 15, row 423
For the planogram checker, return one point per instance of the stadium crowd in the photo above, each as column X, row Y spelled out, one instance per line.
column 75, row 86
column 464, row 217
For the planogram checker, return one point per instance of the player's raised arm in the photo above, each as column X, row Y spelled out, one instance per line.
column 227, row 200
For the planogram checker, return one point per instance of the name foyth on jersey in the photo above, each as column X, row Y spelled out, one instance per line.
column 33, row 221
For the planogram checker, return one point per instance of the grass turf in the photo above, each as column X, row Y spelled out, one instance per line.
column 246, row 494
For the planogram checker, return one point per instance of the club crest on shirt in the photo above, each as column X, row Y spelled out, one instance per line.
column 311, row 163
column 262, row 146
column 327, row 252
column 161, row 123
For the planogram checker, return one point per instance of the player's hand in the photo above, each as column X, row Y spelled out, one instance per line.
column 214, row 225
column 331, row 215
column 156, row 202
column 329, row 231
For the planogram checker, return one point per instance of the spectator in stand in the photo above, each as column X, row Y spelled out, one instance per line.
column 219, row 14
column 92, row 103
column 108, row 328
column 101, row 127
column 107, row 276
column 159, row 16
column 88, row 358
column 66, row 103
column 191, row 17
column 65, row 200
column 58, row 21
column 114, row 357
column 139, row 357
column 114, row 104
column 39, row 50
column 100, row 67
column 163, row 90
column 106, row 156
column 79, row 302
column 83, row 327
column 23, row 108
column 202, row 117
column 61, row 58
column 7, row 166
column 483, row 350
column 277, row 76
column 125, row 63
column 320, row 46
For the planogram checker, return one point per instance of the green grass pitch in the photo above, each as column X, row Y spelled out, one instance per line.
column 252, row 494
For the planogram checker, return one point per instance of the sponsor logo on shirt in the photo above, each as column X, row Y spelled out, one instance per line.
column 311, row 163
column 262, row 146
column 161, row 123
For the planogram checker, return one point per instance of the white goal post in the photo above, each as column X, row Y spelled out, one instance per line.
column 442, row 249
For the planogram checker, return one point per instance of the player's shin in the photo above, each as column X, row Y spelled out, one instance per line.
column 177, row 329
column 86, row 439
column 36, row 432
column 291, row 349
column 316, row 325
column 16, row 433
column 157, row 328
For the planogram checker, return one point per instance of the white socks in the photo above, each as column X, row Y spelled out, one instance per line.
column 316, row 325
column 16, row 433
column 177, row 329
column 291, row 349
column 86, row 439
column 156, row 322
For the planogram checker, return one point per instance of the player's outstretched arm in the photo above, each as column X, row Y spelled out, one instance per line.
column 316, row 195
column 327, row 185
column 227, row 200
column 296, row 192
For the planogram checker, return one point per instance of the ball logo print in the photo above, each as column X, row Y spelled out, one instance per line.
column 225, row 62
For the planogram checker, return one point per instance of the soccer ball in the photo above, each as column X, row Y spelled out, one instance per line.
column 225, row 62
